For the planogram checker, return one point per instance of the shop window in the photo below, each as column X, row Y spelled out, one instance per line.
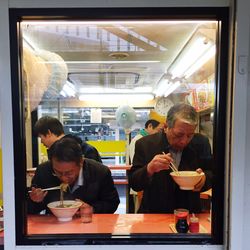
column 81, row 70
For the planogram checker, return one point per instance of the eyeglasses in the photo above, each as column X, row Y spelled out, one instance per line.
column 66, row 174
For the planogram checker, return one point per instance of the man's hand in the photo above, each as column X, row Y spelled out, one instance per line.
column 158, row 163
column 201, row 183
column 37, row 195
column 84, row 204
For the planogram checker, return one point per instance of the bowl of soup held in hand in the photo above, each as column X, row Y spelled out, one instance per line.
column 66, row 210
column 186, row 179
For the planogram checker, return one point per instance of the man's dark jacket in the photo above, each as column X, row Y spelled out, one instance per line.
column 88, row 151
column 98, row 188
column 161, row 194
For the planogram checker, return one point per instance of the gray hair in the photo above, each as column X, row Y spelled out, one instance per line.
column 183, row 112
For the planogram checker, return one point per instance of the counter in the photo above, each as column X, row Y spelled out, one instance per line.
column 109, row 223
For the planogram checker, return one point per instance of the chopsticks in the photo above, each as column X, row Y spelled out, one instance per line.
column 48, row 189
column 172, row 166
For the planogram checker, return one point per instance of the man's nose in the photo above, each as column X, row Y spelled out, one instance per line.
column 64, row 178
column 184, row 140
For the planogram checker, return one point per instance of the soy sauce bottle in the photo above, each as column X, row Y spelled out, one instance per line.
column 181, row 224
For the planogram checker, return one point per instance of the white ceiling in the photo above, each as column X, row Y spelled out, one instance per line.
column 121, row 56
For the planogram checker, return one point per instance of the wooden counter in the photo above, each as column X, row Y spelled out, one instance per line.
column 108, row 223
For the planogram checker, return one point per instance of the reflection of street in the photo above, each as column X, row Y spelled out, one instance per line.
column 126, row 222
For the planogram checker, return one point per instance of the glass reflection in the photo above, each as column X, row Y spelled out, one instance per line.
column 87, row 70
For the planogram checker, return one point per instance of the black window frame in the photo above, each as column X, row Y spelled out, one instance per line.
column 221, row 14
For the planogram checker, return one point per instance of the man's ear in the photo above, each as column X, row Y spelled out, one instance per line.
column 49, row 132
column 150, row 126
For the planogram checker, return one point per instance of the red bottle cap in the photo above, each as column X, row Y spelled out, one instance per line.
column 182, row 215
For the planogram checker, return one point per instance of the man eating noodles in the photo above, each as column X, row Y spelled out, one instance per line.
column 178, row 144
column 87, row 179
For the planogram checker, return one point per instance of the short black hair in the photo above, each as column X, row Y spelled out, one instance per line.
column 153, row 122
column 67, row 150
column 46, row 123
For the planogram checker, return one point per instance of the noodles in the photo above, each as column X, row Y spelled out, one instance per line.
column 63, row 188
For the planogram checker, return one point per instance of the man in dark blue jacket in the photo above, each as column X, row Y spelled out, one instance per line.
column 88, row 180
column 50, row 129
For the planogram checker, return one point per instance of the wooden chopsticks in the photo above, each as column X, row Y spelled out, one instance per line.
column 172, row 166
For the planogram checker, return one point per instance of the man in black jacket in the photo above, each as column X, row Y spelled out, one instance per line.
column 181, row 145
column 88, row 180
column 50, row 129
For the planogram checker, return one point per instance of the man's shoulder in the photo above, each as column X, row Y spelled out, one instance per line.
column 151, row 138
column 93, row 164
column 199, row 139
column 94, row 168
column 43, row 168
column 86, row 146
column 200, row 144
column 44, row 165
column 150, row 142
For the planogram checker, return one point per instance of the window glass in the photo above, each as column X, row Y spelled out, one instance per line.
column 103, row 80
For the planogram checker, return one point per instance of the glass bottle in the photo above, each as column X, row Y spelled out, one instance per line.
column 181, row 224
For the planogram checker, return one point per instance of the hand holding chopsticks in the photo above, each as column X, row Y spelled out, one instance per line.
column 158, row 163
column 38, row 194
column 172, row 166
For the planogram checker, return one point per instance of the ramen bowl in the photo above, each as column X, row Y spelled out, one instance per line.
column 186, row 179
column 66, row 212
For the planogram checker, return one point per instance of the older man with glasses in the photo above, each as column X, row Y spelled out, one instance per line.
column 179, row 144
column 87, row 179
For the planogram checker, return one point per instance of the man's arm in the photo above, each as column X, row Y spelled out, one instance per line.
column 206, row 161
column 138, row 175
column 37, row 201
column 37, row 182
column 108, row 200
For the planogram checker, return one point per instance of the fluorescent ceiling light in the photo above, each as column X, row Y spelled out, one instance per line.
column 116, row 97
column 193, row 51
column 201, row 61
column 166, row 87
column 171, row 88
column 104, row 90
column 161, row 87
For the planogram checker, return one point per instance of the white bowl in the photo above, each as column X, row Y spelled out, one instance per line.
column 64, row 213
column 186, row 179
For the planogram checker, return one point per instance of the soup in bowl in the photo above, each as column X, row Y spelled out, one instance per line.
column 186, row 179
column 65, row 212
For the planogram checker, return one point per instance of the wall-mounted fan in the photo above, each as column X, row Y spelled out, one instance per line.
column 126, row 117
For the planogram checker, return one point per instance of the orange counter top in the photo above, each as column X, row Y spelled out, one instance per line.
column 108, row 223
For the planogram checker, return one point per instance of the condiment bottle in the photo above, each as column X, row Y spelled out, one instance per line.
column 181, row 224
column 194, row 226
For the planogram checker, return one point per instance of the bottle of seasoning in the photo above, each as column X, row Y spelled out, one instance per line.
column 181, row 224
column 194, row 226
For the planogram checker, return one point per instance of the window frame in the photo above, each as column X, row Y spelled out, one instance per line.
column 221, row 14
